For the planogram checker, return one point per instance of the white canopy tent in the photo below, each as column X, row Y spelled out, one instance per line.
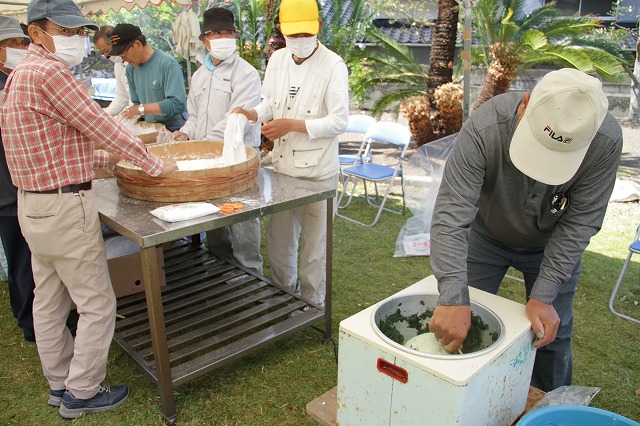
column 18, row 8
column 186, row 31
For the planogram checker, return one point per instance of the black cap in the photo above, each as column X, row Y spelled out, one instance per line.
column 122, row 36
column 218, row 18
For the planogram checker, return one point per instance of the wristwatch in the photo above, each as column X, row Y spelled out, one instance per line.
column 141, row 109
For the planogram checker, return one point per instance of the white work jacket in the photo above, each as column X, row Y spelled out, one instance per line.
column 122, row 98
column 322, row 102
column 214, row 94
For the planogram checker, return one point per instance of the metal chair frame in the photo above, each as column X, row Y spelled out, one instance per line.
column 634, row 248
column 358, row 123
column 387, row 132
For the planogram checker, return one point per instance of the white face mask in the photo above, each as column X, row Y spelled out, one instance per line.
column 302, row 47
column 14, row 56
column 69, row 50
column 115, row 59
column 222, row 48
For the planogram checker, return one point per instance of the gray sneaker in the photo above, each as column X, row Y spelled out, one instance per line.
column 55, row 397
column 108, row 397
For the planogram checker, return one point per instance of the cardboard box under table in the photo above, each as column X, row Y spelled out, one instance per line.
column 125, row 266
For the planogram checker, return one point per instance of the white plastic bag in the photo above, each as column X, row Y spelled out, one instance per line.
column 184, row 211
column 422, row 177
column 233, row 151
column 119, row 246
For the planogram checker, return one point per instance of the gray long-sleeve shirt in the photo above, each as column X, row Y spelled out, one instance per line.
column 481, row 188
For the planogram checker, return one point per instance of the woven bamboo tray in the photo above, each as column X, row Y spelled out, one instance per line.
column 188, row 185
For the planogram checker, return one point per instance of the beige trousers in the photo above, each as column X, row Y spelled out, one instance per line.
column 69, row 264
column 282, row 234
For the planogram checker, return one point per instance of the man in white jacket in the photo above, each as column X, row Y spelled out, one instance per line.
column 102, row 40
column 225, row 80
column 305, row 105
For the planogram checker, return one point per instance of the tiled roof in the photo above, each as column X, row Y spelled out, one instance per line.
column 396, row 29
column 404, row 33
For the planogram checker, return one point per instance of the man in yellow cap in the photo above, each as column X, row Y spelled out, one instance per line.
column 305, row 106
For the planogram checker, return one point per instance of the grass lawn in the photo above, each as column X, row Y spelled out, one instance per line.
column 273, row 386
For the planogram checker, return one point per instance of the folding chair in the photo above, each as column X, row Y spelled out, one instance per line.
column 633, row 248
column 389, row 133
column 358, row 123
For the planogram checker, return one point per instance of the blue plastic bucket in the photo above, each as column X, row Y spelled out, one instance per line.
column 574, row 415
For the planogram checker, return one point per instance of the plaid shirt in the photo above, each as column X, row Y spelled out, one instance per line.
column 50, row 125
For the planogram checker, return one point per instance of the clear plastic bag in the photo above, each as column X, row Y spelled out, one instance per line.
column 574, row 395
column 164, row 136
column 422, row 176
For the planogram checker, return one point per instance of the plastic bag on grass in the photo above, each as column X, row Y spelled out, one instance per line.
column 422, row 177
column 574, row 395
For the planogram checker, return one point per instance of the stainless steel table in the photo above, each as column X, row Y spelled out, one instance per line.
column 210, row 311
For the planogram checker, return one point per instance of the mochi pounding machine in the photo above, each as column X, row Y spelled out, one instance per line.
column 381, row 382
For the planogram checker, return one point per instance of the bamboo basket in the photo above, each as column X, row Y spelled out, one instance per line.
column 188, row 185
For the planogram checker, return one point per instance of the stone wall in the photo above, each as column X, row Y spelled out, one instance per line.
column 617, row 93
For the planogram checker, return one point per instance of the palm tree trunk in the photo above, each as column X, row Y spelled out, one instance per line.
column 499, row 77
column 443, row 47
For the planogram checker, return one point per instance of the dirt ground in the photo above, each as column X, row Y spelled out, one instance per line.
column 630, row 161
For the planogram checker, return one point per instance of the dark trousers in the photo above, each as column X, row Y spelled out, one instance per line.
column 487, row 263
column 20, row 277
column 175, row 122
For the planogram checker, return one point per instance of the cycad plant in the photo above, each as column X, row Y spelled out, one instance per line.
column 344, row 25
column 254, row 20
column 512, row 42
column 391, row 66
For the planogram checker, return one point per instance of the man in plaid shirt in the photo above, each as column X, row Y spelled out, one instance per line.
column 49, row 128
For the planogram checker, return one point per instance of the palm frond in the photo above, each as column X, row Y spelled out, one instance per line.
column 538, row 17
column 606, row 65
column 559, row 56
column 562, row 27
column 601, row 43
column 390, row 46
column 391, row 100
column 533, row 39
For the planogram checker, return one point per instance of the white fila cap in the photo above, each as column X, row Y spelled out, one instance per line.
column 564, row 113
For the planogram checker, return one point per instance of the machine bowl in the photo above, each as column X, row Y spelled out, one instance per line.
column 418, row 304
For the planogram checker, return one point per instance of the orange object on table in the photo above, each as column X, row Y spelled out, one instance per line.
column 228, row 208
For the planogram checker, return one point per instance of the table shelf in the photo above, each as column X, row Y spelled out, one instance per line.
column 214, row 312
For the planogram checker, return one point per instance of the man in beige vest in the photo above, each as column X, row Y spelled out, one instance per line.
column 305, row 106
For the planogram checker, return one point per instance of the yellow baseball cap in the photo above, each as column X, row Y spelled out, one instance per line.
column 299, row 17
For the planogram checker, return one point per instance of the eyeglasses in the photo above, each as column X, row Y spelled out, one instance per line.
column 210, row 35
column 69, row 32
column 124, row 52
column 105, row 54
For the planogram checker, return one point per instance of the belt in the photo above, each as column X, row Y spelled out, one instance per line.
column 77, row 187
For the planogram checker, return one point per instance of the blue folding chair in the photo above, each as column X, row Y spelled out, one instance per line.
column 387, row 133
column 358, row 123
column 633, row 248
